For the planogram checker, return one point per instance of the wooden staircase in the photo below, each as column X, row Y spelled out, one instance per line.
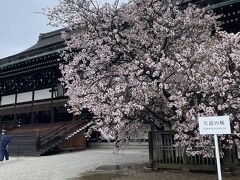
column 23, row 145
column 52, row 141
column 36, row 141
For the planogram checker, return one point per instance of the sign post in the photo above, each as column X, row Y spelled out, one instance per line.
column 217, row 157
column 215, row 125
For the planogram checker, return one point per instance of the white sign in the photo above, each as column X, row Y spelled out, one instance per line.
column 214, row 125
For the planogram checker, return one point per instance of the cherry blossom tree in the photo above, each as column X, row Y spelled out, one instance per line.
column 149, row 61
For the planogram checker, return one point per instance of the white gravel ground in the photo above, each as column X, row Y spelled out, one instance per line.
column 67, row 165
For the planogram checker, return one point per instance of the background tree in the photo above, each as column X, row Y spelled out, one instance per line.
column 149, row 61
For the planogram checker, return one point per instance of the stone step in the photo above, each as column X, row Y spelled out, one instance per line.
column 23, row 145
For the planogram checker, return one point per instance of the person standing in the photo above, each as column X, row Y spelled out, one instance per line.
column 4, row 144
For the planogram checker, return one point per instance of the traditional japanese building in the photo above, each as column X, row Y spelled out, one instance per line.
column 32, row 97
column 29, row 86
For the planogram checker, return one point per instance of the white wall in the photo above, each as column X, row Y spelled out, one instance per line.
column 10, row 99
column 43, row 94
column 27, row 96
column 60, row 90
column 24, row 97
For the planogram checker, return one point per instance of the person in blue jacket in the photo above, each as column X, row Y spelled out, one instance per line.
column 4, row 143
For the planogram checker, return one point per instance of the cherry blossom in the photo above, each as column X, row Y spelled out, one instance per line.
column 149, row 61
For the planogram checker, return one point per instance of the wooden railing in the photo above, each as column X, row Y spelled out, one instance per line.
column 163, row 154
column 56, row 136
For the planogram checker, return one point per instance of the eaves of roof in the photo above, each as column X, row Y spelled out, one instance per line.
column 32, row 57
column 222, row 4
column 48, row 43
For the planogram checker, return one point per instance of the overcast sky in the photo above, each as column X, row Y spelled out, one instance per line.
column 20, row 24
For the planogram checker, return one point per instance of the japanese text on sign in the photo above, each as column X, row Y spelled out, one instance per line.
column 214, row 125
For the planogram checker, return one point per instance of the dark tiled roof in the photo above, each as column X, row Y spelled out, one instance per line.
column 46, row 42
column 211, row 4
column 46, row 39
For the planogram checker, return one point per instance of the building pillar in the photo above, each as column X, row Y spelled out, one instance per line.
column 32, row 113
column 15, row 116
column 15, row 107
column 33, row 120
column 52, row 114
column 36, row 117
column 0, row 119
column 52, row 109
